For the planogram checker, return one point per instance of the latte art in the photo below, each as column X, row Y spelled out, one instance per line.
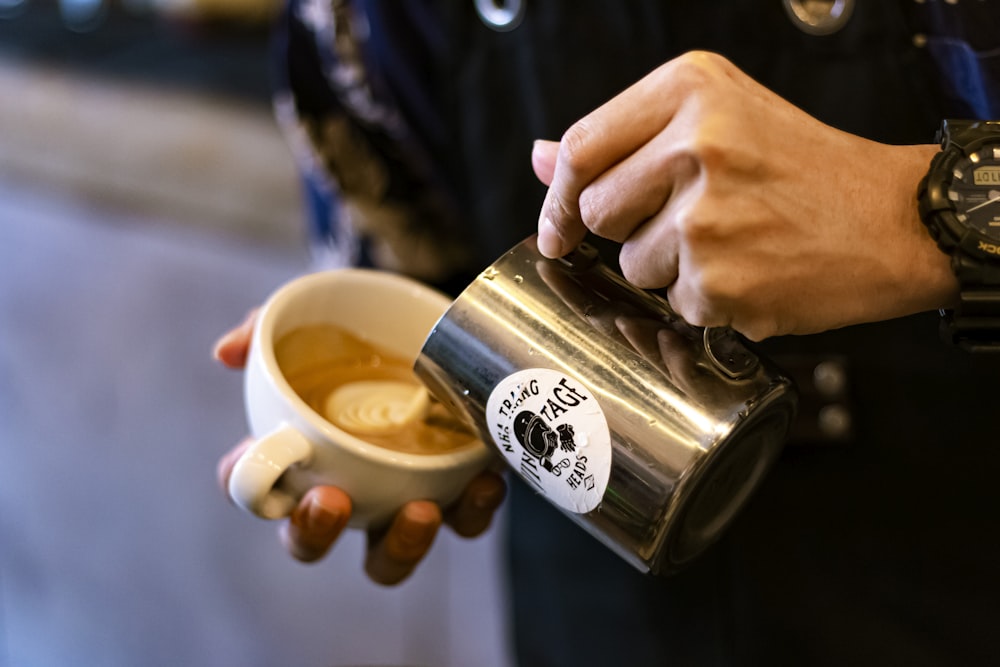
column 366, row 392
column 374, row 407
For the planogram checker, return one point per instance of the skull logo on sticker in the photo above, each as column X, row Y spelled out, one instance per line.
column 552, row 431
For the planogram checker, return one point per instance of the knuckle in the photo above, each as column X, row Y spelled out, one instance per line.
column 573, row 146
column 756, row 325
column 696, row 231
column 696, row 313
column 699, row 67
column 594, row 212
column 692, row 71
column 756, row 331
column 706, row 154
column 559, row 212
column 726, row 302
column 633, row 268
column 647, row 270
column 699, row 302
column 703, row 153
column 720, row 290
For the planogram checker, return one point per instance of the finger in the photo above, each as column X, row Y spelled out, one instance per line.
column 631, row 192
column 614, row 131
column 232, row 347
column 393, row 555
column 472, row 514
column 596, row 143
column 691, row 304
column 224, row 468
column 560, row 228
column 649, row 256
column 543, row 159
column 316, row 523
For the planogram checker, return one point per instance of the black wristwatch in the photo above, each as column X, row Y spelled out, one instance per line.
column 960, row 204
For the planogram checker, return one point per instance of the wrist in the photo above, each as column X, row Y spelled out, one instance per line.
column 922, row 275
column 939, row 285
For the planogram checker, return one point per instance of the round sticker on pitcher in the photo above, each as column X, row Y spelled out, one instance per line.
column 552, row 431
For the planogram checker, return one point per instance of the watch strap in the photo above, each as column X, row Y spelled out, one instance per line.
column 974, row 323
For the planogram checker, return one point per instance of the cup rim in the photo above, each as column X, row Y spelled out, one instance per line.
column 264, row 337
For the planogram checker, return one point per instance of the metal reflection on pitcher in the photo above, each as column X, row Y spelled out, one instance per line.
column 646, row 431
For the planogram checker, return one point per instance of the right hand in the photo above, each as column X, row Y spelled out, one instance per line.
column 320, row 517
column 751, row 213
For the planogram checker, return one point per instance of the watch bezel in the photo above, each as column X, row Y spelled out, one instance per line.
column 973, row 323
column 953, row 233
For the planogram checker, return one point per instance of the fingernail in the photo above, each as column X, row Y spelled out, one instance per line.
column 549, row 242
column 321, row 518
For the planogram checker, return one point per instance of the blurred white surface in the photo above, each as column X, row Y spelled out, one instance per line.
column 116, row 546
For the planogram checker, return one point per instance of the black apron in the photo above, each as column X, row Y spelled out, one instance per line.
column 877, row 544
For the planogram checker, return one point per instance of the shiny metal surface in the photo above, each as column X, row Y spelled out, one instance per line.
column 501, row 15
column 819, row 17
column 695, row 417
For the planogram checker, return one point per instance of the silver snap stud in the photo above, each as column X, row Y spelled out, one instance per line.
column 835, row 421
column 501, row 15
column 819, row 17
column 830, row 378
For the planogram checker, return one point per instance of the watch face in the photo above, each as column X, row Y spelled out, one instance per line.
column 975, row 191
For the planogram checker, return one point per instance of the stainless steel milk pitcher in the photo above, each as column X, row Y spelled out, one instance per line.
column 648, row 432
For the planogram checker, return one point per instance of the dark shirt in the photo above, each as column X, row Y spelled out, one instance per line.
column 421, row 110
column 414, row 121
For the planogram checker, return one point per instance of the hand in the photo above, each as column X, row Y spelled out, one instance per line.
column 321, row 515
column 753, row 214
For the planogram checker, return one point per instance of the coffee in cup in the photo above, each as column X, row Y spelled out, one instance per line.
column 331, row 400
column 367, row 392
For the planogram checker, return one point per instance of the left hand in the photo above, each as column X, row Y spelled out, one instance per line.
column 315, row 525
column 752, row 213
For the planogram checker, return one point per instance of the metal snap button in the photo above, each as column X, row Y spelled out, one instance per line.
column 501, row 15
column 835, row 422
column 819, row 17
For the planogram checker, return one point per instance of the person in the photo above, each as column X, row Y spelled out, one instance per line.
column 760, row 163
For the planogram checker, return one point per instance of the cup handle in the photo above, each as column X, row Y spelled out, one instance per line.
column 253, row 483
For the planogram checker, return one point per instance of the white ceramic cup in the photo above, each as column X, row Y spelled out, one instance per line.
column 295, row 448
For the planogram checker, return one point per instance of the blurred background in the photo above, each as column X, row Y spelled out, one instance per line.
column 147, row 201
